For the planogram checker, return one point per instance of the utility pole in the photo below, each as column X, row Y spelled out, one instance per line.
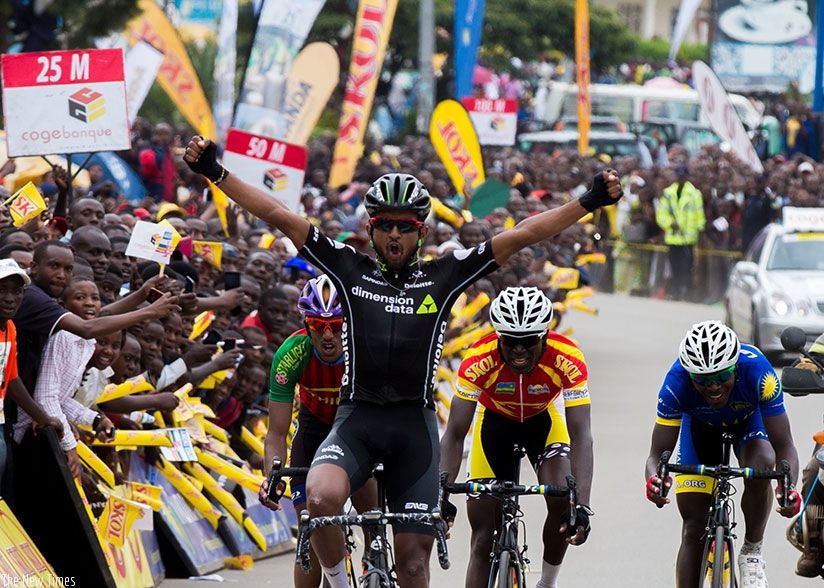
column 426, row 75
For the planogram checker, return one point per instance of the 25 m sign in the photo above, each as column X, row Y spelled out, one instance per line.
column 65, row 102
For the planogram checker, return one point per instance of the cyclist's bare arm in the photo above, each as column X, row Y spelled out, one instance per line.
column 460, row 418
column 546, row 224
column 580, row 435
column 781, row 438
column 256, row 201
column 280, row 418
column 663, row 439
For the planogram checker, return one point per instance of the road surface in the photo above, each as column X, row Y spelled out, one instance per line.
column 629, row 347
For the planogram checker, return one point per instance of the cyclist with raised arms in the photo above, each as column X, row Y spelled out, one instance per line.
column 310, row 359
column 529, row 385
column 718, row 385
column 396, row 309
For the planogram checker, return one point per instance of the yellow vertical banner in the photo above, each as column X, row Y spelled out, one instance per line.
column 456, row 142
column 372, row 28
column 582, row 73
column 177, row 76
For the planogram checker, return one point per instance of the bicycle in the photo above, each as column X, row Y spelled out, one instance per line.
column 378, row 561
column 509, row 561
column 720, row 571
column 277, row 472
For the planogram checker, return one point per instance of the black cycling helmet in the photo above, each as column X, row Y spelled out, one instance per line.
column 398, row 192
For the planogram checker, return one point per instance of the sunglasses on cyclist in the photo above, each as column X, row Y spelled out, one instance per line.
column 714, row 379
column 529, row 341
column 319, row 325
column 405, row 225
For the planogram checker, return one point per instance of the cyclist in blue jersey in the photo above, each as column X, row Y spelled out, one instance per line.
column 718, row 385
column 396, row 311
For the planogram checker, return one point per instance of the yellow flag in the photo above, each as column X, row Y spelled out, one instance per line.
column 117, row 519
column 25, row 204
column 130, row 386
column 210, row 250
column 202, row 322
column 266, row 241
column 144, row 494
column 456, row 142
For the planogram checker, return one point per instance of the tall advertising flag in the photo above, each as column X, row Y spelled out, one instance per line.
column 715, row 102
column 372, row 28
column 469, row 20
column 582, row 73
column 177, row 75
column 314, row 76
column 281, row 31
column 223, row 107
column 456, row 142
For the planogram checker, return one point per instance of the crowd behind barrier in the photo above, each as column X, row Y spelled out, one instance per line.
column 88, row 304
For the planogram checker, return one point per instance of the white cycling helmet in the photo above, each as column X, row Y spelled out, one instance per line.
column 521, row 312
column 708, row 347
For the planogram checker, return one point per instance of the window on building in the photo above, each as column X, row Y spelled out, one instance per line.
column 631, row 13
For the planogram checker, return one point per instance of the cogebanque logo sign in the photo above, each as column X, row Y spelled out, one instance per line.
column 87, row 105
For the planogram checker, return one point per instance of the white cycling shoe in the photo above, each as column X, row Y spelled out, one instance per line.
column 751, row 571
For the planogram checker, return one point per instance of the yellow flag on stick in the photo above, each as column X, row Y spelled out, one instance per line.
column 116, row 521
column 202, row 322
column 25, row 204
column 212, row 252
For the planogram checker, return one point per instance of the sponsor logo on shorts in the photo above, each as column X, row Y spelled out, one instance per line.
column 325, row 457
column 332, row 449
column 416, row 506
column 690, row 483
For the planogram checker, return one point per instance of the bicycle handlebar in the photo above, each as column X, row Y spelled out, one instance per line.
column 278, row 471
column 570, row 491
column 367, row 519
column 724, row 472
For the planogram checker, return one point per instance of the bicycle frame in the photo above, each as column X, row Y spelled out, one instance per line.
column 721, row 519
column 508, row 560
column 380, row 565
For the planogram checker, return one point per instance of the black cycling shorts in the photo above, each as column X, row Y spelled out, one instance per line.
column 404, row 438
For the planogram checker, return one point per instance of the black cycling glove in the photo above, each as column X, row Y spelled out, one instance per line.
column 448, row 510
column 582, row 514
column 208, row 166
column 597, row 196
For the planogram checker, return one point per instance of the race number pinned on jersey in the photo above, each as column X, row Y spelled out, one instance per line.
column 65, row 102
column 272, row 165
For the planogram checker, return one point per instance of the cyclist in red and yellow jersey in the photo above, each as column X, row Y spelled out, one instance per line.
column 311, row 361
column 531, row 385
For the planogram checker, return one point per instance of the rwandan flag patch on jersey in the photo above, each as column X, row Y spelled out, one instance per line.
column 505, row 388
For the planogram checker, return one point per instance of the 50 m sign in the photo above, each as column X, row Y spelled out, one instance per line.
column 65, row 102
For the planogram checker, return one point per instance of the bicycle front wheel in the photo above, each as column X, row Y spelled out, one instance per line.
column 717, row 568
column 505, row 572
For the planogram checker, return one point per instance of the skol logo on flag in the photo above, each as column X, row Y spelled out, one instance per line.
column 116, row 521
column 152, row 241
column 456, row 142
column 210, row 250
column 144, row 494
column 374, row 23
column 26, row 204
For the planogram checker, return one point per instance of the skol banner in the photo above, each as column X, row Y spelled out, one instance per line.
column 225, row 67
column 374, row 23
column 177, row 75
column 282, row 29
column 456, row 143
column 582, row 72
column 469, row 19
column 314, row 76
